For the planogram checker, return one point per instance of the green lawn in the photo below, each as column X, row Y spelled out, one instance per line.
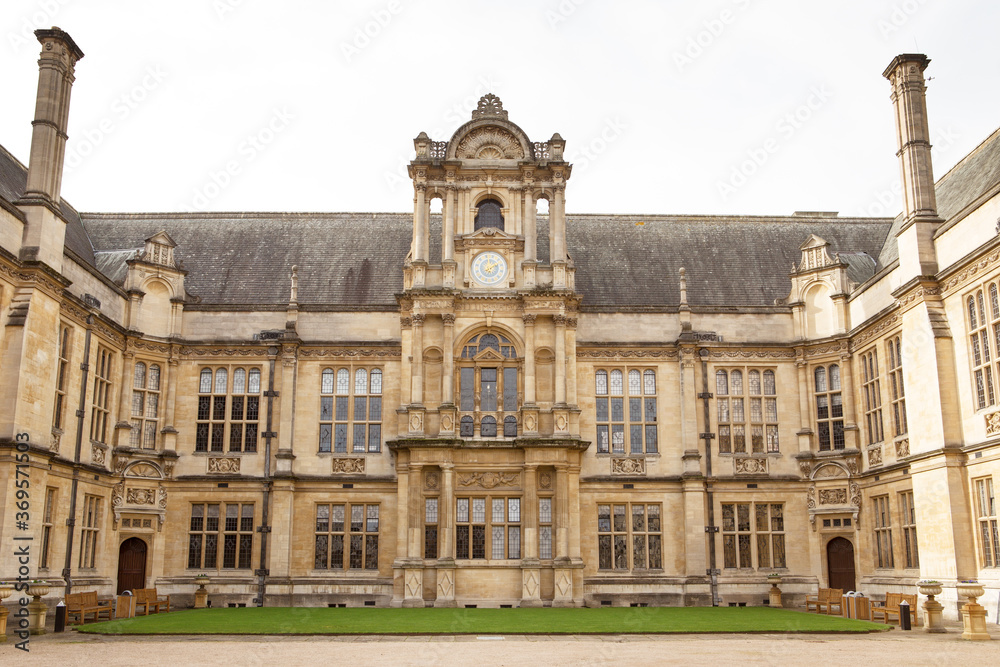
column 362, row 621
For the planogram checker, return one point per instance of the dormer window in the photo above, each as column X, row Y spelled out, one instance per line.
column 489, row 213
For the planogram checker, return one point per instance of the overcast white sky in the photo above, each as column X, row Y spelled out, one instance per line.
column 714, row 107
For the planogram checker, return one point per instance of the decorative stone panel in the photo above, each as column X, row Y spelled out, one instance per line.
column 490, row 480
column 628, row 466
column 342, row 466
column 140, row 496
column 749, row 466
column 875, row 455
column 833, row 496
column 992, row 423
column 224, row 465
column 902, row 448
column 432, row 480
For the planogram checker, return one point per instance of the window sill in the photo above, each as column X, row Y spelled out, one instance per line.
column 646, row 455
column 324, row 453
column 754, row 455
column 225, row 453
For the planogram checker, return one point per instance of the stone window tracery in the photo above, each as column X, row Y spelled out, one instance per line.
column 829, row 407
column 753, row 533
column 228, row 413
column 986, row 517
column 897, row 392
column 982, row 355
column 90, row 531
column 350, row 419
column 871, row 393
column 225, row 527
column 883, row 532
column 629, row 536
column 145, row 405
column 347, row 536
column 101, row 406
column 488, row 527
column 62, row 376
column 488, row 387
column 620, row 412
column 908, row 525
column 746, row 412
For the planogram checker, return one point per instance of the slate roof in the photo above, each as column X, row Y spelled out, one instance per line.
column 350, row 260
column 14, row 178
column 974, row 175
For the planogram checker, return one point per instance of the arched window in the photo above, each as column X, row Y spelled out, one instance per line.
column 488, row 385
column 489, row 213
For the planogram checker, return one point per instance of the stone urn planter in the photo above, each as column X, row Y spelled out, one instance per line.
column 929, row 588
column 201, row 595
column 973, row 614
column 933, row 619
column 970, row 590
column 38, row 589
column 774, row 595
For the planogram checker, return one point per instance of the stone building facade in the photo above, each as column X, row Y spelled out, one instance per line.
column 488, row 402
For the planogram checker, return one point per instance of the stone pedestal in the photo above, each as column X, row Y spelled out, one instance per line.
column 36, row 616
column 201, row 598
column 974, row 622
column 445, row 585
column 531, row 586
column 3, row 623
column 774, row 595
column 563, row 588
column 933, row 617
column 413, row 586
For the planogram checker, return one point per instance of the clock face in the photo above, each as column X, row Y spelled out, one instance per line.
column 489, row 268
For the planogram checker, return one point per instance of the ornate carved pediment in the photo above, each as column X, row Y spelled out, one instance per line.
column 829, row 471
column 144, row 469
column 490, row 143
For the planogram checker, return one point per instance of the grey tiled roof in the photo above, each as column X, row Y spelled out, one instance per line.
column 355, row 259
column 976, row 173
column 14, row 178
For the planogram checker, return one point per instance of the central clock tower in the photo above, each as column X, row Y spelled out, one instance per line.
column 488, row 414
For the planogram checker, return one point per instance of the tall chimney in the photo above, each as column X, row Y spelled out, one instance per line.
column 45, row 232
column 906, row 73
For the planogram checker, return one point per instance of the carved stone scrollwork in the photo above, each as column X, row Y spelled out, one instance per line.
column 529, row 318
column 117, row 494
column 544, row 479
column 628, row 466
column 448, row 318
column 97, row 454
column 805, row 467
column 855, row 495
column 143, row 469
column 490, row 480
column 490, row 106
column 490, row 143
column 811, row 497
column 418, row 319
column 750, row 466
column 432, row 479
column 224, row 465
column 343, row 466
column 875, row 455
column 833, row 497
column 162, row 502
column 120, row 461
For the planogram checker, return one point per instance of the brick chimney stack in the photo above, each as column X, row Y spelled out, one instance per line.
column 45, row 231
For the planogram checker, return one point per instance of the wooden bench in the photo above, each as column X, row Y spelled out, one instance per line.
column 827, row 598
column 150, row 603
column 890, row 608
column 80, row 605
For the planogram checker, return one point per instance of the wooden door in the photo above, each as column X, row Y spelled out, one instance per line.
column 131, row 565
column 840, row 563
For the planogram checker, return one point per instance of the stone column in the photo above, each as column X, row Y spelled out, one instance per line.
column 563, row 573
column 529, row 358
column 448, row 367
column 557, row 225
column 530, row 230
column 571, row 387
column 125, row 395
column 419, row 223
column 530, row 565
column 446, row 527
column 417, row 379
column 413, row 570
column 402, row 527
column 448, row 228
column 169, row 381
column 560, row 322
column 405, row 365
column 805, row 411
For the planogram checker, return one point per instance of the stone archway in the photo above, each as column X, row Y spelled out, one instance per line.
column 840, row 564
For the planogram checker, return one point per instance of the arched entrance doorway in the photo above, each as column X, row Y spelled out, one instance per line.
column 131, row 565
column 840, row 563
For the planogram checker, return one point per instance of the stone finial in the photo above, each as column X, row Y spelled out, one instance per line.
column 490, row 106
column 422, row 144
column 295, row 285
column 684, row 287
column 556, row 147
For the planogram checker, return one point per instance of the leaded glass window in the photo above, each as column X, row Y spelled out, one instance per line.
column 626, row 420
column 629, row 536
column 350, row 420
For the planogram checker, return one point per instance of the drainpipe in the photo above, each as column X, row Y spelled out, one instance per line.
column 80, row 413
column 263, row 571
column 711, row 529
